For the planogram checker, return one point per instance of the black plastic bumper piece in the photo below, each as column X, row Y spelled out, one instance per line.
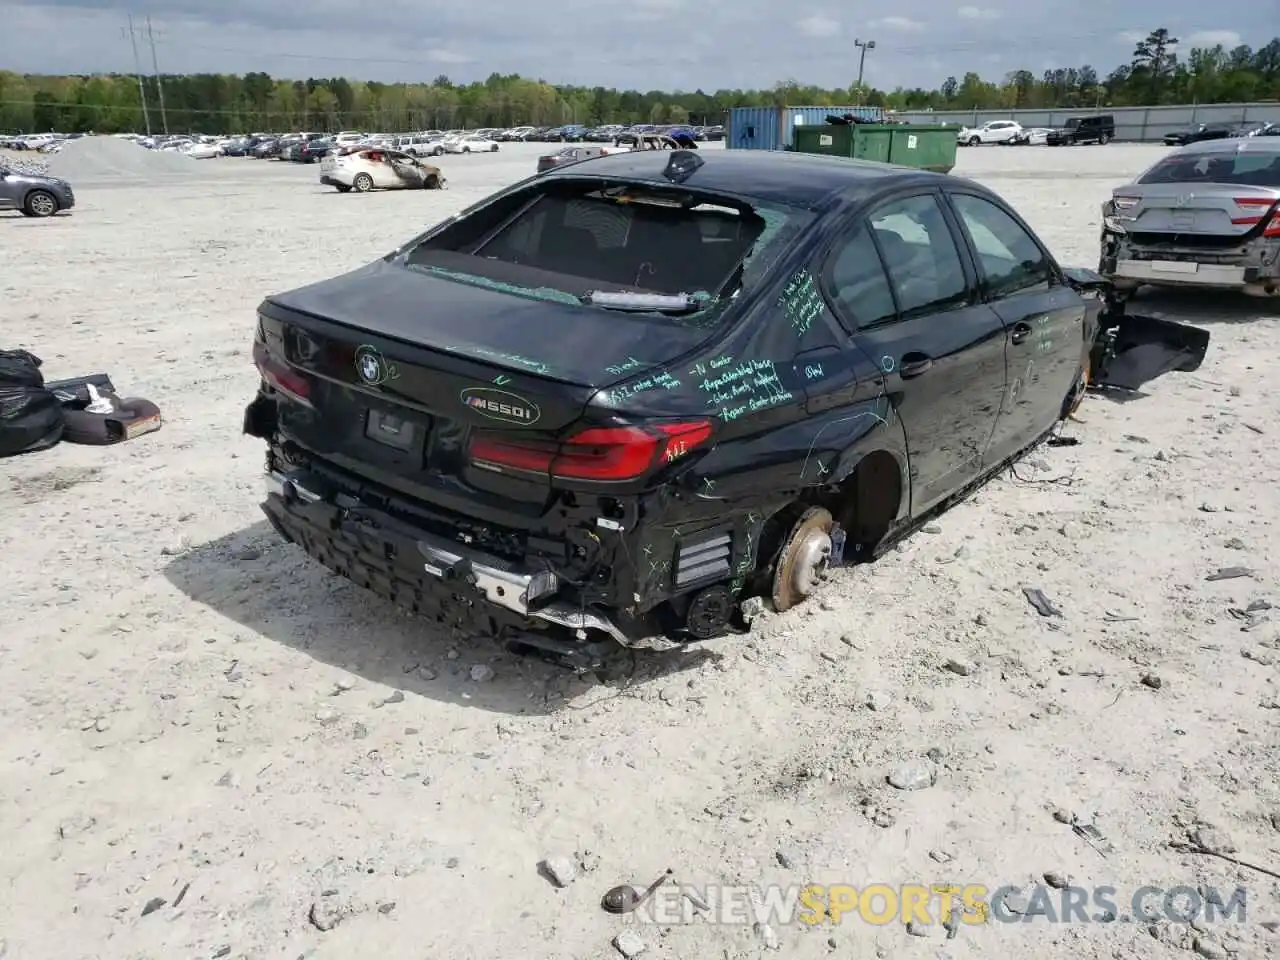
column 388, row 564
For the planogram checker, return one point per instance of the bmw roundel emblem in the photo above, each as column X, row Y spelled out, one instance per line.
column 371, row 368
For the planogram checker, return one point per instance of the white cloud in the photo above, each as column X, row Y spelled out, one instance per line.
column 900, row 24
column 1211, row 38
column 441, row 55
column 978, row 13
column 819, row 26
column 1130, row 36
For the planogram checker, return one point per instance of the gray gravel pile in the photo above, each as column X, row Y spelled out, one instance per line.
column 110, row 158
column 18, row 164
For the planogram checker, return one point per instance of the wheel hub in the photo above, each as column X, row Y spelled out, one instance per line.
column 812, row 556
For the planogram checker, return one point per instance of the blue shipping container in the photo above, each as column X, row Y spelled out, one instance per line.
column 773, row 128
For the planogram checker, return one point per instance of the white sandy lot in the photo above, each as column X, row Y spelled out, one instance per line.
column 191, row 705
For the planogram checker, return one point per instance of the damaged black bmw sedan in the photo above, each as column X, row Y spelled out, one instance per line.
column 617, row 401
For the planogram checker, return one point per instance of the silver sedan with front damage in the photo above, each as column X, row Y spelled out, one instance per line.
column 1206, row 215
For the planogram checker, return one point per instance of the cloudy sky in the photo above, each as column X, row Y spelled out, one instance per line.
column 643, row 44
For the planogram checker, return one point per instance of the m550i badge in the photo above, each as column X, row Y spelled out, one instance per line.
column 500, row 405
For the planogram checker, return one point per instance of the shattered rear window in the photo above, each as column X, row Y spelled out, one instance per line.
column 1245, row 168
column 628, row 245
column 606, row 239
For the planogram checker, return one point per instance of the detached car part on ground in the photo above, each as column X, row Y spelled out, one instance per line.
column 1206, row 215
column 32, row 193
column 36, row 414
column 376, row 168
column 621, row 400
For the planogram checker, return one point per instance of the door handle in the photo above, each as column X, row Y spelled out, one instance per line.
column 914, row 364
column 1020, row 332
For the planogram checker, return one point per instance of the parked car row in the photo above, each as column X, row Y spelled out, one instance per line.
column 1101, row 129
column 607, row 133
column 1095, row 129
column 1198, row 132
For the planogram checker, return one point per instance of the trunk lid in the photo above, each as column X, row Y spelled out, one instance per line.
column 493, row 327
column 1192, row 208
column 399, row 369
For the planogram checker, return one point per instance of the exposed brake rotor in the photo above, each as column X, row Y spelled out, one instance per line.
column 804, row 558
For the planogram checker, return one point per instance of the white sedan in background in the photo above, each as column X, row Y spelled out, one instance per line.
column 995, row 131
column 469, row 144
column 376, row 168
column 203, row 151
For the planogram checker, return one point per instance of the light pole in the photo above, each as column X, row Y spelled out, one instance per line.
column 862, row 58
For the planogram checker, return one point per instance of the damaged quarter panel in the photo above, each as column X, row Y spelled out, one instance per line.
column 796, row 407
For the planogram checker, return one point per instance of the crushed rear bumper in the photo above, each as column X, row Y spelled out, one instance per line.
column 446, row 582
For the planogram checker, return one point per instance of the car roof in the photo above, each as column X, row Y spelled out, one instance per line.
column 771, row 176
column 1263, row 145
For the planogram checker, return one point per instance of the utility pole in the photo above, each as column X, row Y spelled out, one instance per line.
column 151, row 38
column 137, row 70
column 862, row 59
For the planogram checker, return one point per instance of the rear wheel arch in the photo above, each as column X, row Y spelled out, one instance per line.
column 869, row 499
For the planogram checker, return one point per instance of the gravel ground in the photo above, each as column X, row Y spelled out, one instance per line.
column 194, row 715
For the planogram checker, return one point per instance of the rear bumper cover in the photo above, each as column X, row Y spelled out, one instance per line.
column 445, row 581
column 1182, row 273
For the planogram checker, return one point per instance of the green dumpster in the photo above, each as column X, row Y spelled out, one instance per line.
column 926, row 147
column 854, row 140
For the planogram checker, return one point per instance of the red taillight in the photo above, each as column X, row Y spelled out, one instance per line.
column 607, row 454
column 1257, row 207
column 280, row 375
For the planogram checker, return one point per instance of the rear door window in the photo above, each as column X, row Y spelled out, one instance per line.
column 1012, row 261
column 920, row 255
column 859, row 284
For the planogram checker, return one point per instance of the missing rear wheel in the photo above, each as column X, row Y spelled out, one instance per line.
column 803, row 559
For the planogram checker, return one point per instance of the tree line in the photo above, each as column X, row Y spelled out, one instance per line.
column 1157, row 72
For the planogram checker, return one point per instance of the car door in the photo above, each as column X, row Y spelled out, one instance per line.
column 9, row 190
column 383, row 173
column 902, row 289
column 1043, row 318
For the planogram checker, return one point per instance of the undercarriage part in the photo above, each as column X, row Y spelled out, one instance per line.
column 578, row 657
column 709, row 612
column 804, row 558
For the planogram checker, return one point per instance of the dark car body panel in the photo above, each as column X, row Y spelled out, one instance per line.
column 799, row 402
